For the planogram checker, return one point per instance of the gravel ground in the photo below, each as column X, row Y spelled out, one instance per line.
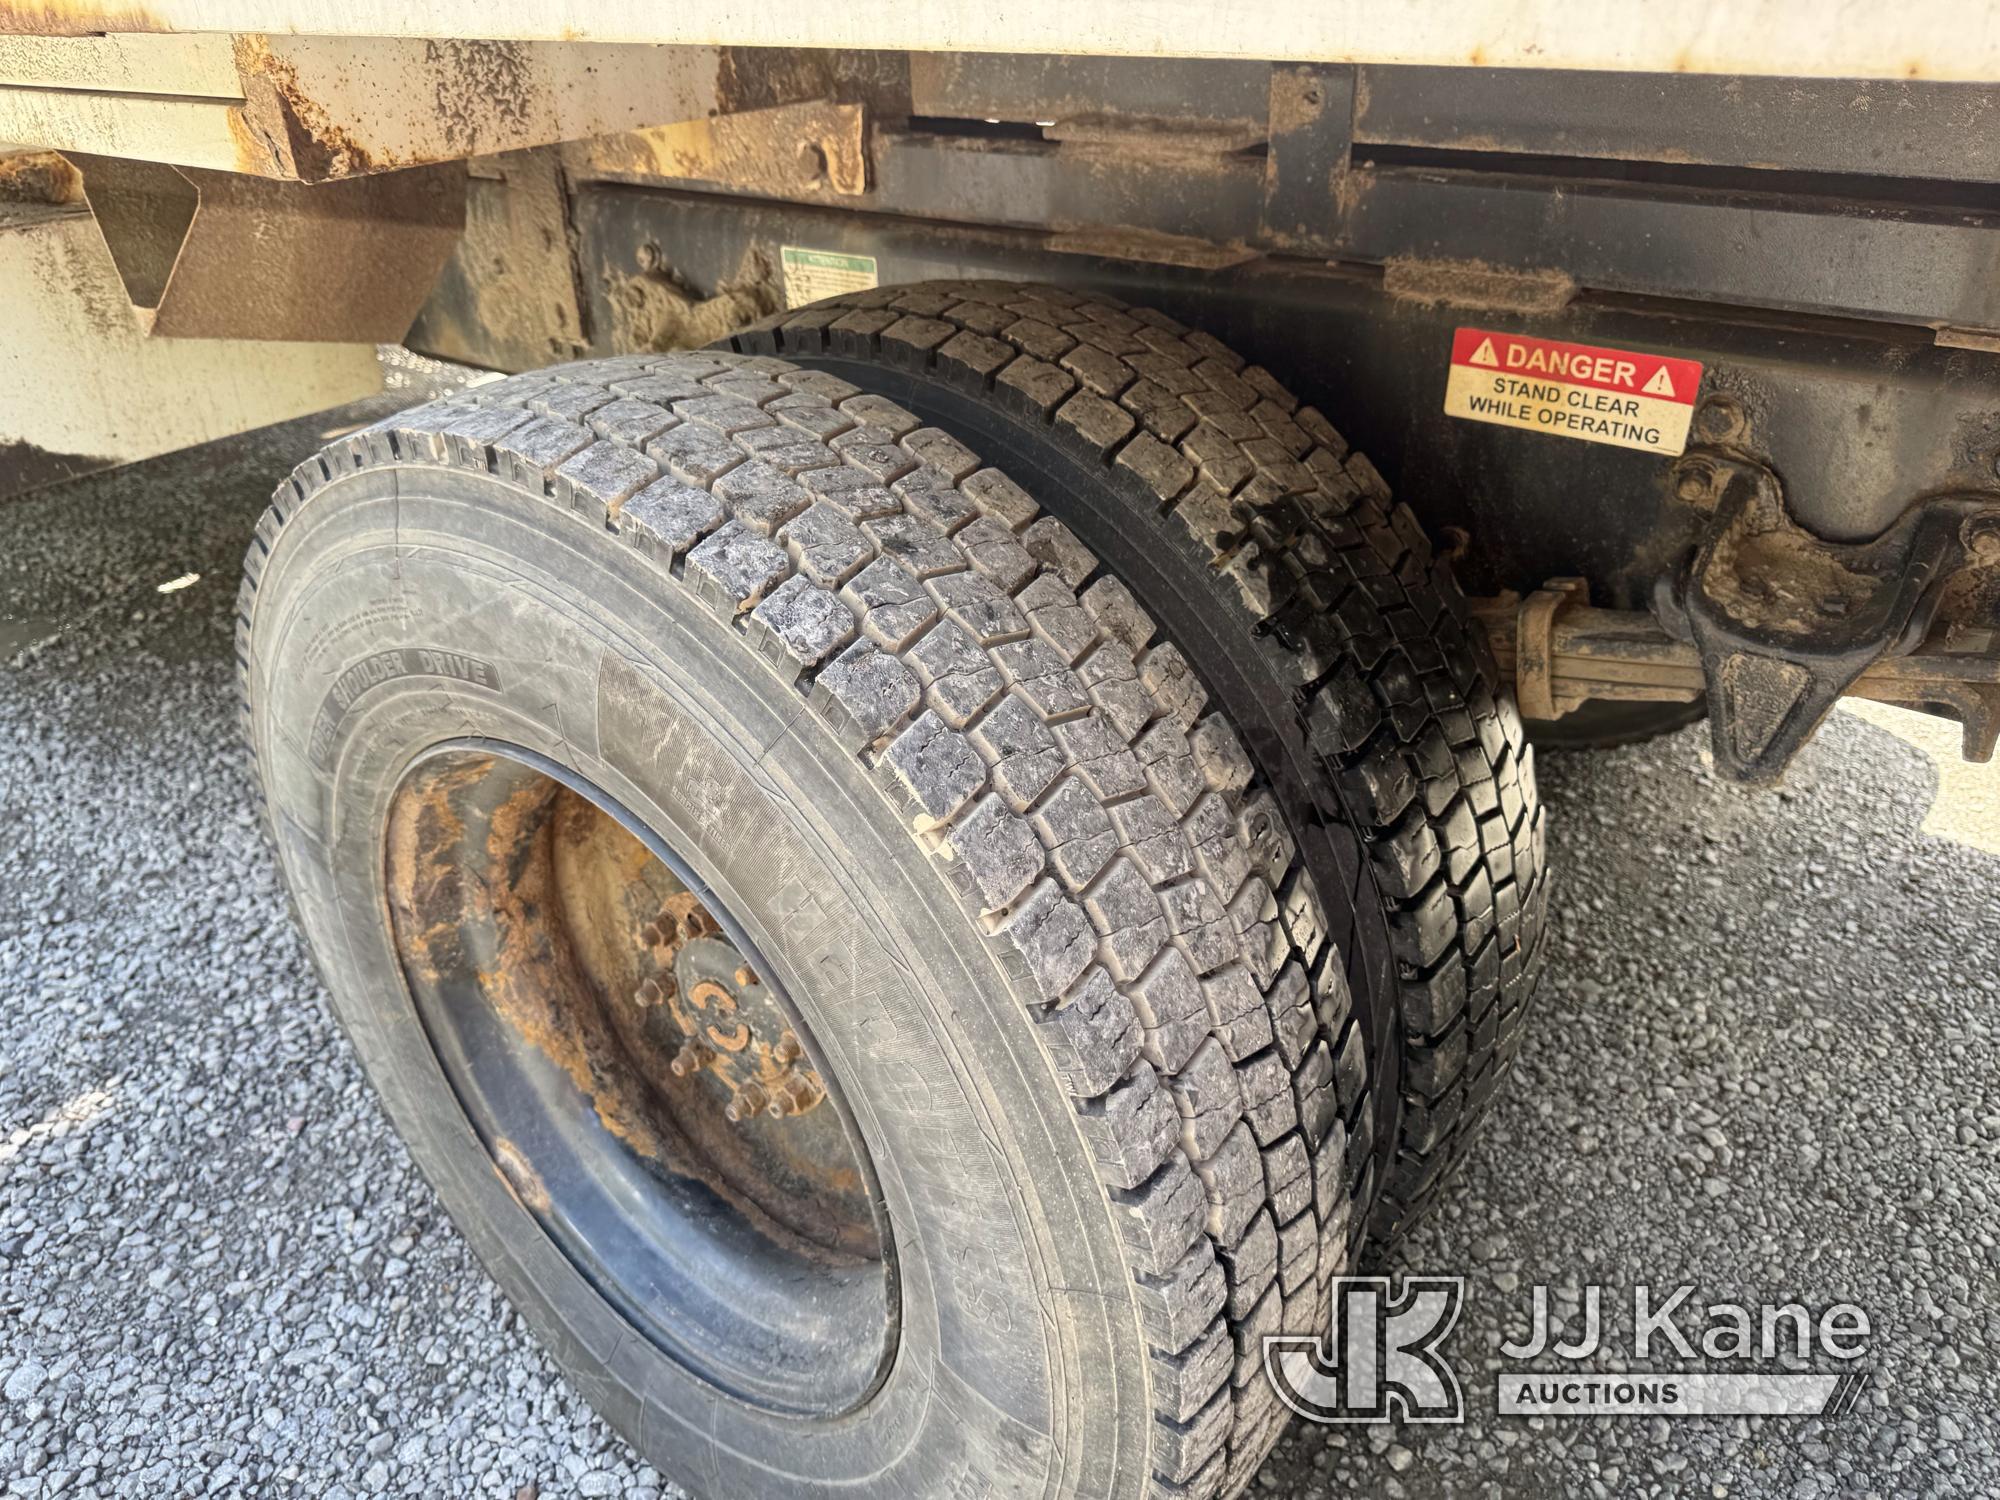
column 1763, row 1064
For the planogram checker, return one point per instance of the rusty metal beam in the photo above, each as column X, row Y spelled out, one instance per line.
column 315, row 108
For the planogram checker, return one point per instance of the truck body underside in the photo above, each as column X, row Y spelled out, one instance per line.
column 1823, row 248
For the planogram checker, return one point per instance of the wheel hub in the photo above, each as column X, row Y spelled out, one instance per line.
column 641, row 1079
column 733, row 1029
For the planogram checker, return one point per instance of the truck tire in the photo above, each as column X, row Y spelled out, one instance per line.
column 666, row 753
column 1407, row 840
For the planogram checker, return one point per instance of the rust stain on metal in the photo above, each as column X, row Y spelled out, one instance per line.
column 39, row 177
column 764, row 1074
column 538, row 900
column 423, row 887
column 530, row 970
column 283, row 127
column 1476, row 283
column 64, row 18
column 534, row 974
column 482, row 94
column 1985, row 340
column 259, row 150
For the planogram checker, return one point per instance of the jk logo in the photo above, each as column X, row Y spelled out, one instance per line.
column 1380, row 1362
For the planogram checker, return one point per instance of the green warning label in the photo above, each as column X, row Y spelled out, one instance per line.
column 811, row 275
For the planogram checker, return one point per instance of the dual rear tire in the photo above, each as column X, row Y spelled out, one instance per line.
column 1313, row 609
column 1004, row 907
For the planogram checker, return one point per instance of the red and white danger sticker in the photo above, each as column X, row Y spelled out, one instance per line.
column 1616, row 396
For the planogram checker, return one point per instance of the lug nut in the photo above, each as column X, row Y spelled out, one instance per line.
column 747, row 1102
column 795, row 1096
column 691, row 1059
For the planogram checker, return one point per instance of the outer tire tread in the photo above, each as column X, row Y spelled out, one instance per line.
column 921, row 608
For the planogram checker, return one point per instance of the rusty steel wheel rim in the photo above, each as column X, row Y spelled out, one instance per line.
column 641, row 1078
